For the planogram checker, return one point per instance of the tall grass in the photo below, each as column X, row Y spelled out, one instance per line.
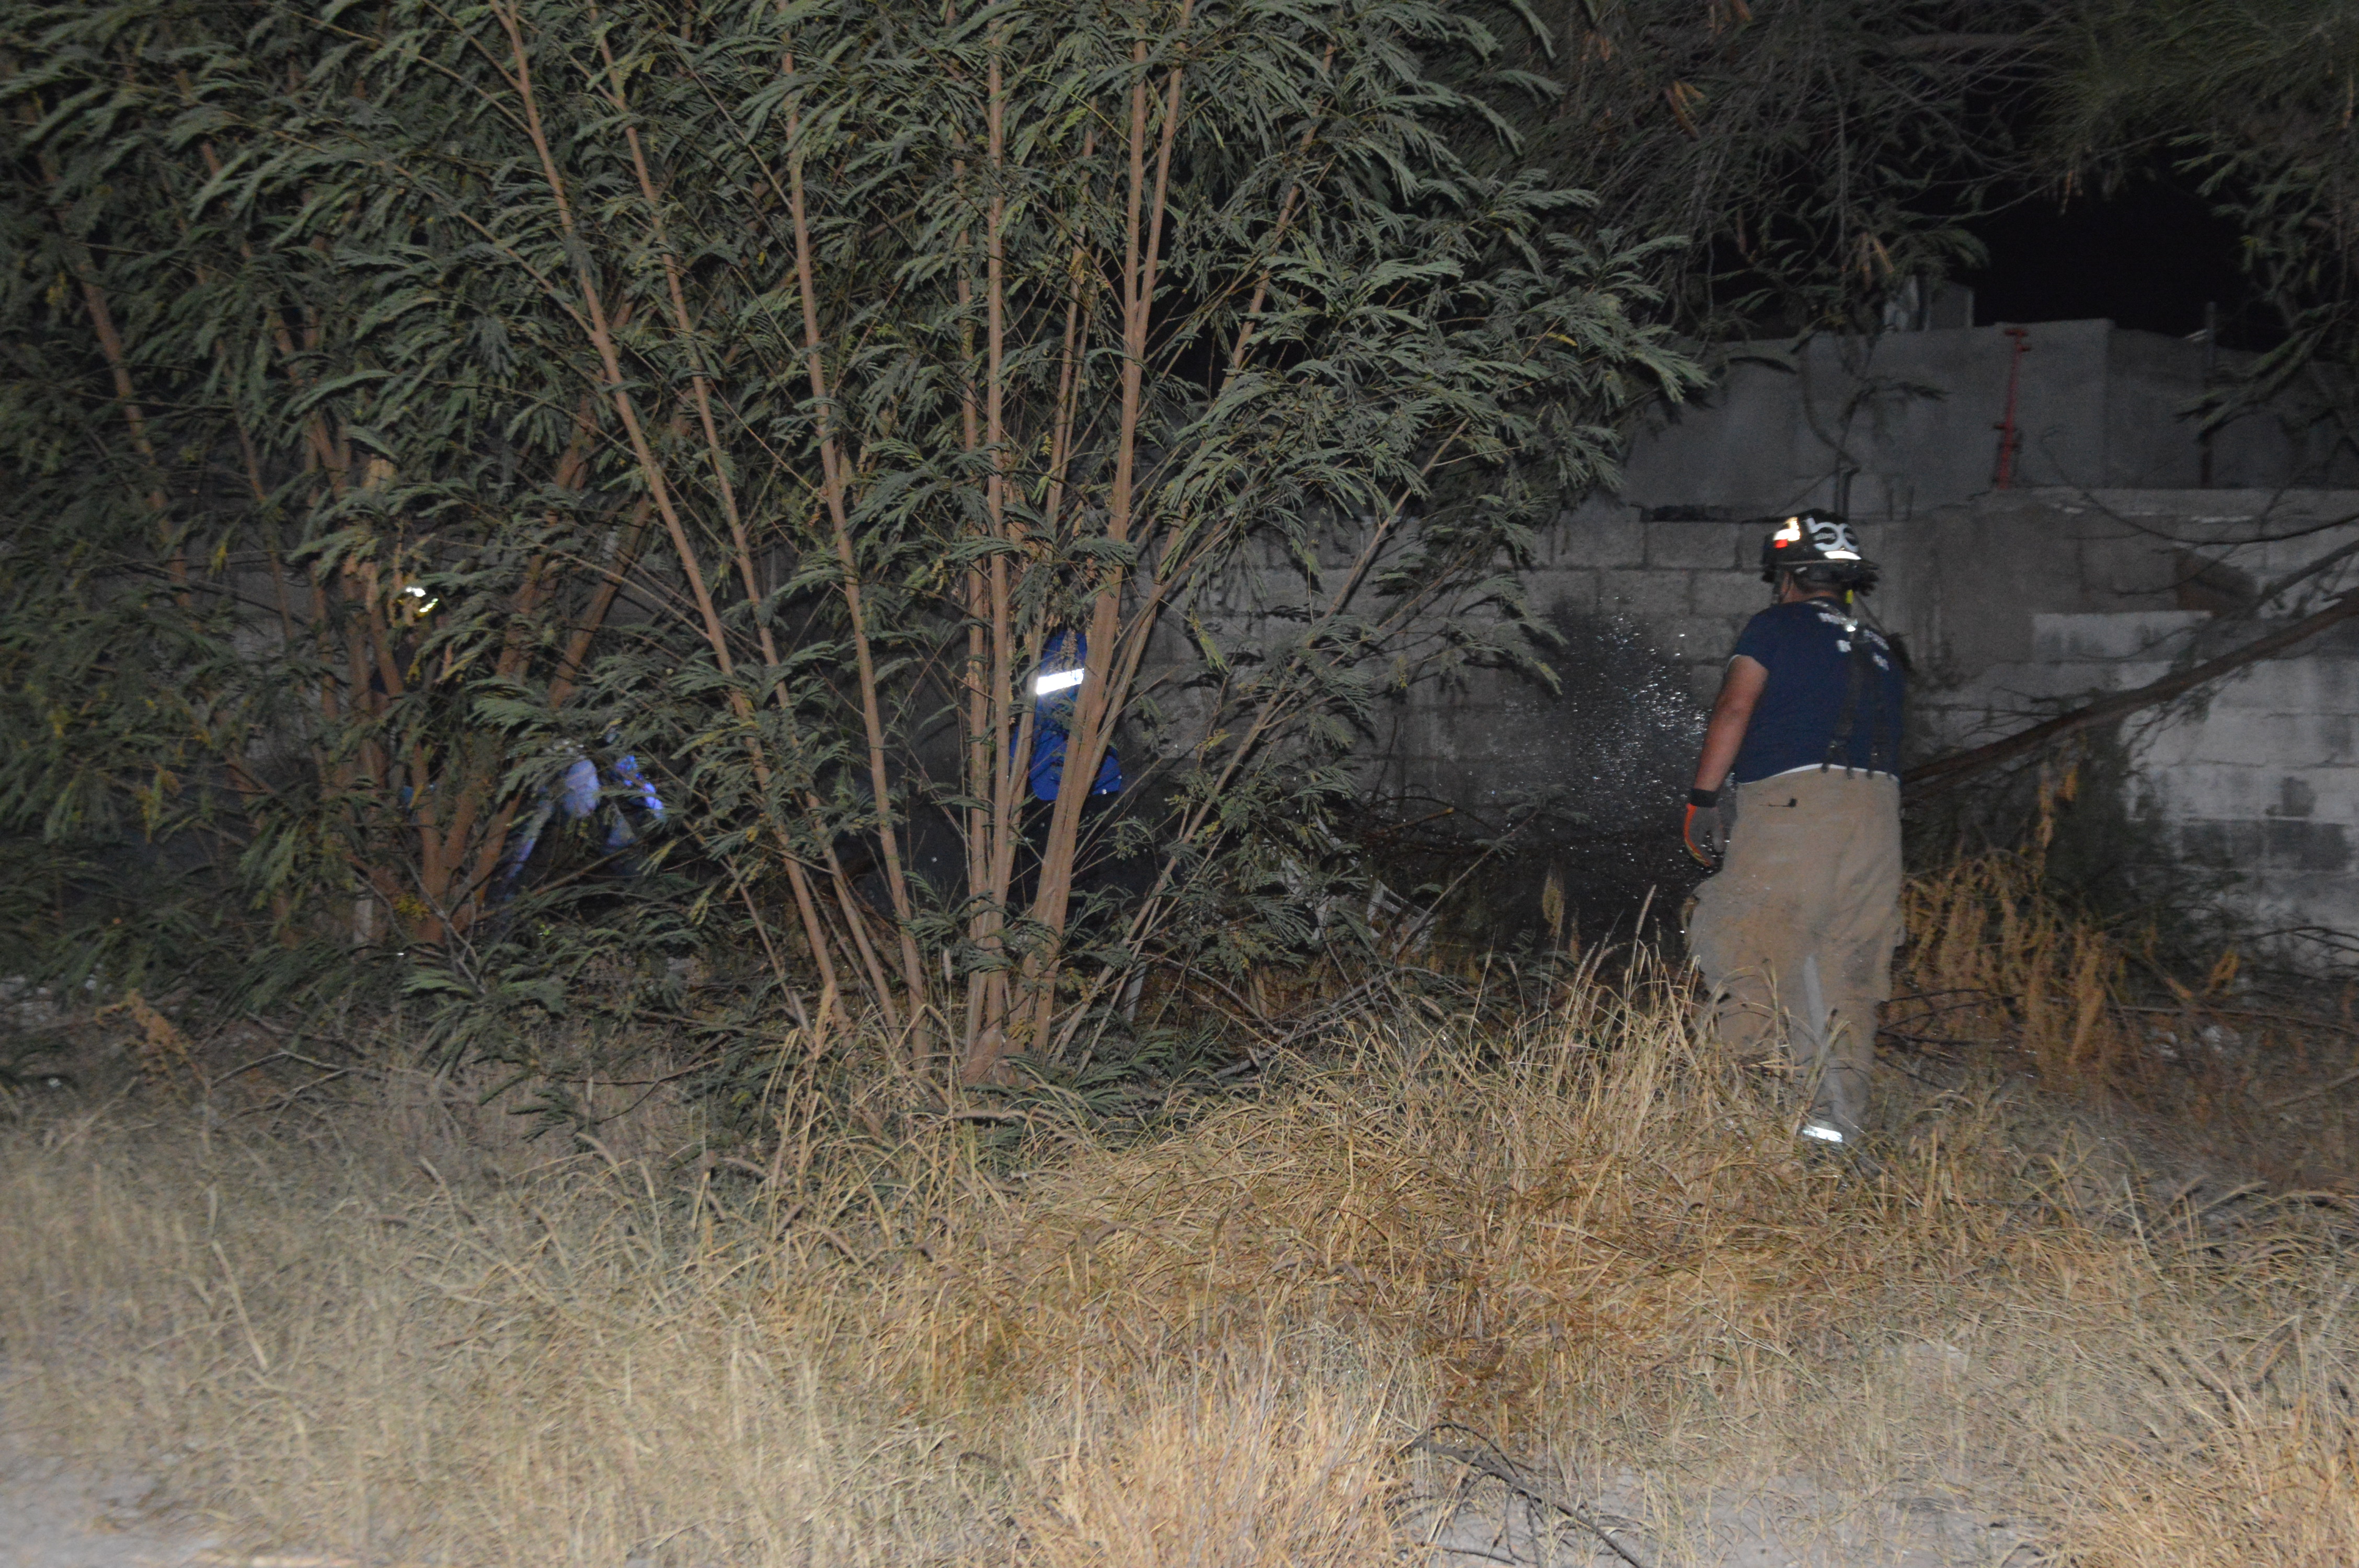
column 409, row 1334
column 1993, row 957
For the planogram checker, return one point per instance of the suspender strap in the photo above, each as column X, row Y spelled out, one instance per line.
column 1884, row 754
column 1862, row 670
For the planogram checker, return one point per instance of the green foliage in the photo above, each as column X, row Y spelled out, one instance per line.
column 407, row 404
column 2252, row 98
column 1817, row 154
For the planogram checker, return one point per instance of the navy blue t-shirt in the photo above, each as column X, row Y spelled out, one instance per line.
column 1805, row 649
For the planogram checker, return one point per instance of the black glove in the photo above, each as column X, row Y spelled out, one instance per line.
column 1705, row 832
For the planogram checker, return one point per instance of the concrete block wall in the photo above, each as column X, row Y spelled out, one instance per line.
column 1895, row 429
column 2014, row 603
column 1685, row 587
column 1648, row 612
column 1891, row 426
column 2257, row 774
column 2017, row 605
column 1656, row 602
column 1671, row 586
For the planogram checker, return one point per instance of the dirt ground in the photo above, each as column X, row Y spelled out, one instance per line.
column 1792, row 1524
column 52, row 1516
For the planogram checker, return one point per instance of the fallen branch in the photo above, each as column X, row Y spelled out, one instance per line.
column 1489, row 1461
column 2325, row 1088
column 1932, row 778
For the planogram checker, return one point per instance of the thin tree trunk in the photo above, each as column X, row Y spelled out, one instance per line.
column 814, row 929
column 836, row 482
column 1085, row 744
column 988, row 1010
column 118, row 365
column 650, row 466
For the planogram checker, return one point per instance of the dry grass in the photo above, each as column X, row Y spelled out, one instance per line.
column 410, row 1336
column 1990, row 958
column 2233, row 1077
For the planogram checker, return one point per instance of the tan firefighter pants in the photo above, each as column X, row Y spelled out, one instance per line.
column 1800, row 921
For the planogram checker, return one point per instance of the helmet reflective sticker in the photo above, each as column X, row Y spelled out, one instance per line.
column 1833, row 539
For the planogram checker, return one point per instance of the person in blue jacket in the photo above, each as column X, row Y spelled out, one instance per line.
column 1055, row 687
column 574, row 797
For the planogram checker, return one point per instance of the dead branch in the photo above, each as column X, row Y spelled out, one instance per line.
column 1488, row 1461
column 1933, row 778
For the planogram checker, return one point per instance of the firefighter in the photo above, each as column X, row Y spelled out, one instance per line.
column 1056, row 692
column 575, row 798
column 1797, row 805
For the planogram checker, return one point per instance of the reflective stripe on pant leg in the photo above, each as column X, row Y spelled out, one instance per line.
column 1812, row 1053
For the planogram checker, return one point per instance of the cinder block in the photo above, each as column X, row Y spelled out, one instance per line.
column 1494, row 741
column 1724, row 640
column 1739, row 595
column 2312, row 739
column 1562, row 590
column 2225, row 843
column 2125, row 636
column 2117, row 567
column 1599, row 535
column 1692, row 638
column 1469, row 695
column 2305, row 844
column 2238, row 737
column 2129, row 673
column 2332, row 793
column 2331, row 682
column 2217, row 791
column 1734, row 626
column 2168, row 746
column 1710, row 547
column 2316, row 684
column 2336, row 738
column 1419, row 724
column 1645, row 596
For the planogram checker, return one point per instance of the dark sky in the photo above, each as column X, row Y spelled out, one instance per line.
column 2148, row 256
